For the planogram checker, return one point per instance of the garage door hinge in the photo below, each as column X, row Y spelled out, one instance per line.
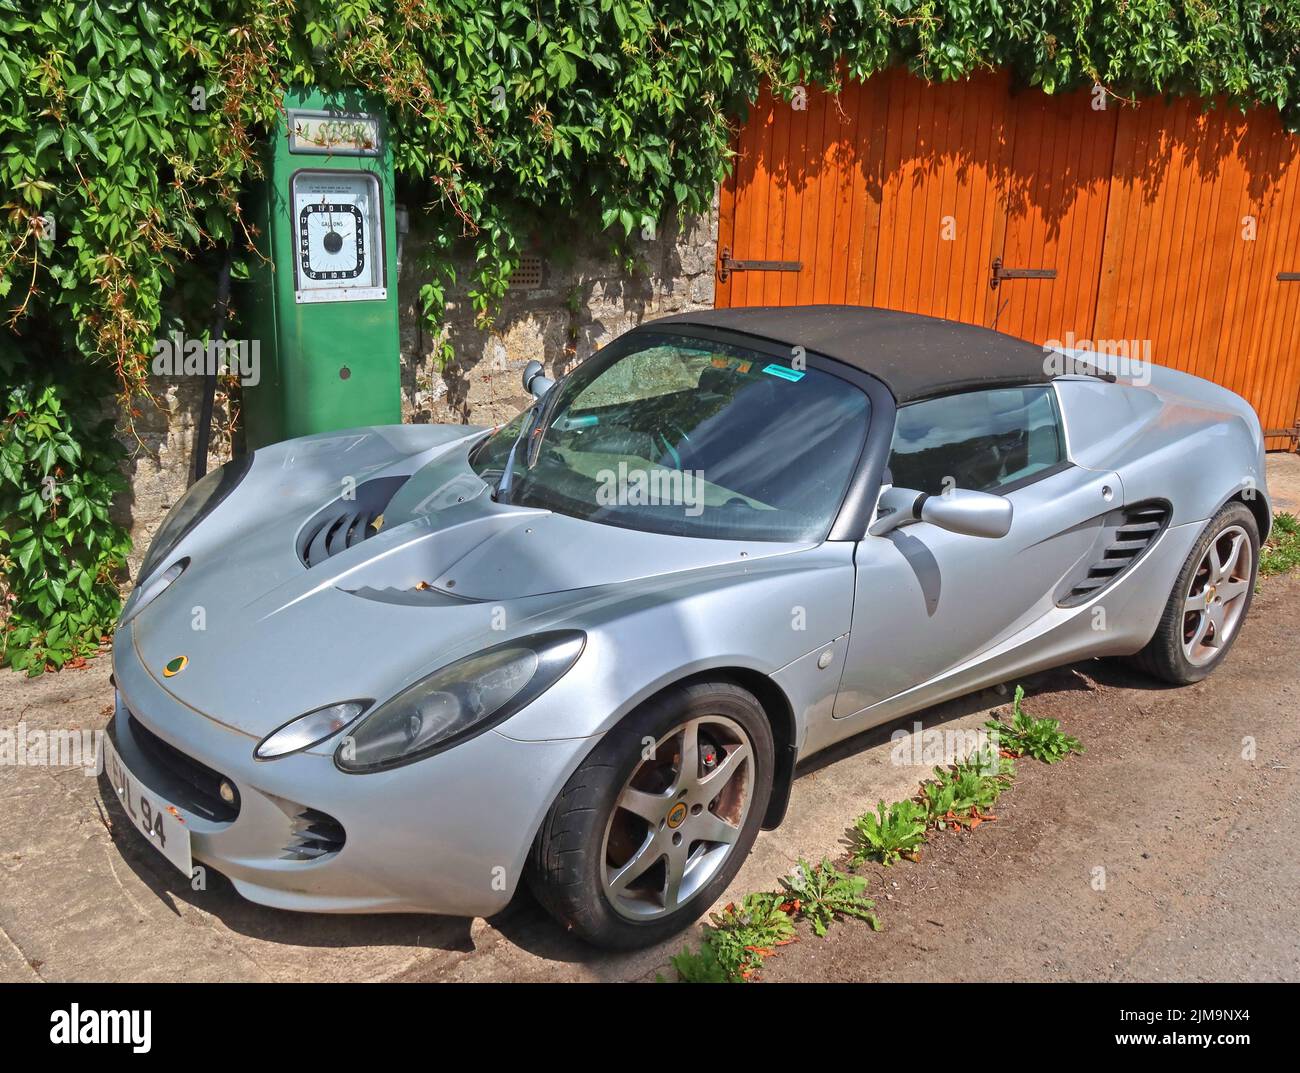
column 1000, row 273
column 728, row 265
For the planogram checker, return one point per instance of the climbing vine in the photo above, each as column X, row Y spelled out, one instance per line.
column 60, row 550
column 129, row 129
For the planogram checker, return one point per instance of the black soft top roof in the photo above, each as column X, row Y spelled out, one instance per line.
column 915, row 356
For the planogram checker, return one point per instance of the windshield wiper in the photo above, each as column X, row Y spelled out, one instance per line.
column 501, row 493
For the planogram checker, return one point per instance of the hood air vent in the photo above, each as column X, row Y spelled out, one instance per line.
column 1127, row 534
column 346, row 522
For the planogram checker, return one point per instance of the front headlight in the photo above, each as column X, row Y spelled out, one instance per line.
column 461, row 700
column 195, row 505
column 144, row 594
column 308, row 730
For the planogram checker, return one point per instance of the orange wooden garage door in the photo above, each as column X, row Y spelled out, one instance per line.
column 1158, row 228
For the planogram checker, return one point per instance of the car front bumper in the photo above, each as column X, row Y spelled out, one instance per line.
column 448, row 834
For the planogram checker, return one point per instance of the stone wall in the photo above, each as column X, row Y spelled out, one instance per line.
column 578, row 306
column 160, row 455
column 576, row 309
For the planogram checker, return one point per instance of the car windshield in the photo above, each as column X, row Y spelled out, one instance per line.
column 673, row 434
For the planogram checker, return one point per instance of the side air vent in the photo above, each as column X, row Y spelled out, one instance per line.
column 1126, row 535
column 346, row 522
column 315, row 835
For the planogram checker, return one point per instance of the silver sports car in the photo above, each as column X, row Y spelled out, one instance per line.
column 403, row 668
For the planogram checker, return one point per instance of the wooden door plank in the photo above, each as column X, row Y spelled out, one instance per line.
column 1137, row 208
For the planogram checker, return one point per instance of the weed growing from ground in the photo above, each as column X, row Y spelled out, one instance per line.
column 963, row 793
column 1039, row 739
column 889, row 833
column 743, row 935
column 820, row 895
column 700, row 967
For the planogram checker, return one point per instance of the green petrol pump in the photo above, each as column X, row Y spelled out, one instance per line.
column 321, row 302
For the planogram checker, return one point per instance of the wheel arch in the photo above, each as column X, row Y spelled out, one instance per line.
column 780, row 714
column 785, row 732
column 1257, row 505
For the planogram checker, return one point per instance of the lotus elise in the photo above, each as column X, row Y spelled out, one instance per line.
column 406, row 668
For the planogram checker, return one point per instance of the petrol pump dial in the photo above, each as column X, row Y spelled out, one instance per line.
column 339, row 250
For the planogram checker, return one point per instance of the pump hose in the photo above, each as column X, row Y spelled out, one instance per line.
column 203, row 433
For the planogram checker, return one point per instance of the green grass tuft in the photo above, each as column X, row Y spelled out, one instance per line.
column 1281, row 551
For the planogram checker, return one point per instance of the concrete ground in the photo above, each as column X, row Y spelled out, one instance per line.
column 1284, row 481
column 1199, row 845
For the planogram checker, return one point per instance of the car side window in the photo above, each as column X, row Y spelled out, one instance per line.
column 980, row 440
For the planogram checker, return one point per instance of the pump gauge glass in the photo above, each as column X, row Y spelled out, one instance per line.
column 338, row 237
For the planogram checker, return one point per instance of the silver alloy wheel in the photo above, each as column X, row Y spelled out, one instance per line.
column 1216, row 596
column 677, row 818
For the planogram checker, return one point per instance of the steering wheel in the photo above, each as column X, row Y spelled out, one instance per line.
column 670, row 450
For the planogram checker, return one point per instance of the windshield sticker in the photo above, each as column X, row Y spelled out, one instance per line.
column 735, row 365
column 784, row 373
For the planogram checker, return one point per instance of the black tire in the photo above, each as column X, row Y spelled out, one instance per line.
column 566, row 865
column 1163, row 657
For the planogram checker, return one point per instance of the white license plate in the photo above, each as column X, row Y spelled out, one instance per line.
column 153, row 817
